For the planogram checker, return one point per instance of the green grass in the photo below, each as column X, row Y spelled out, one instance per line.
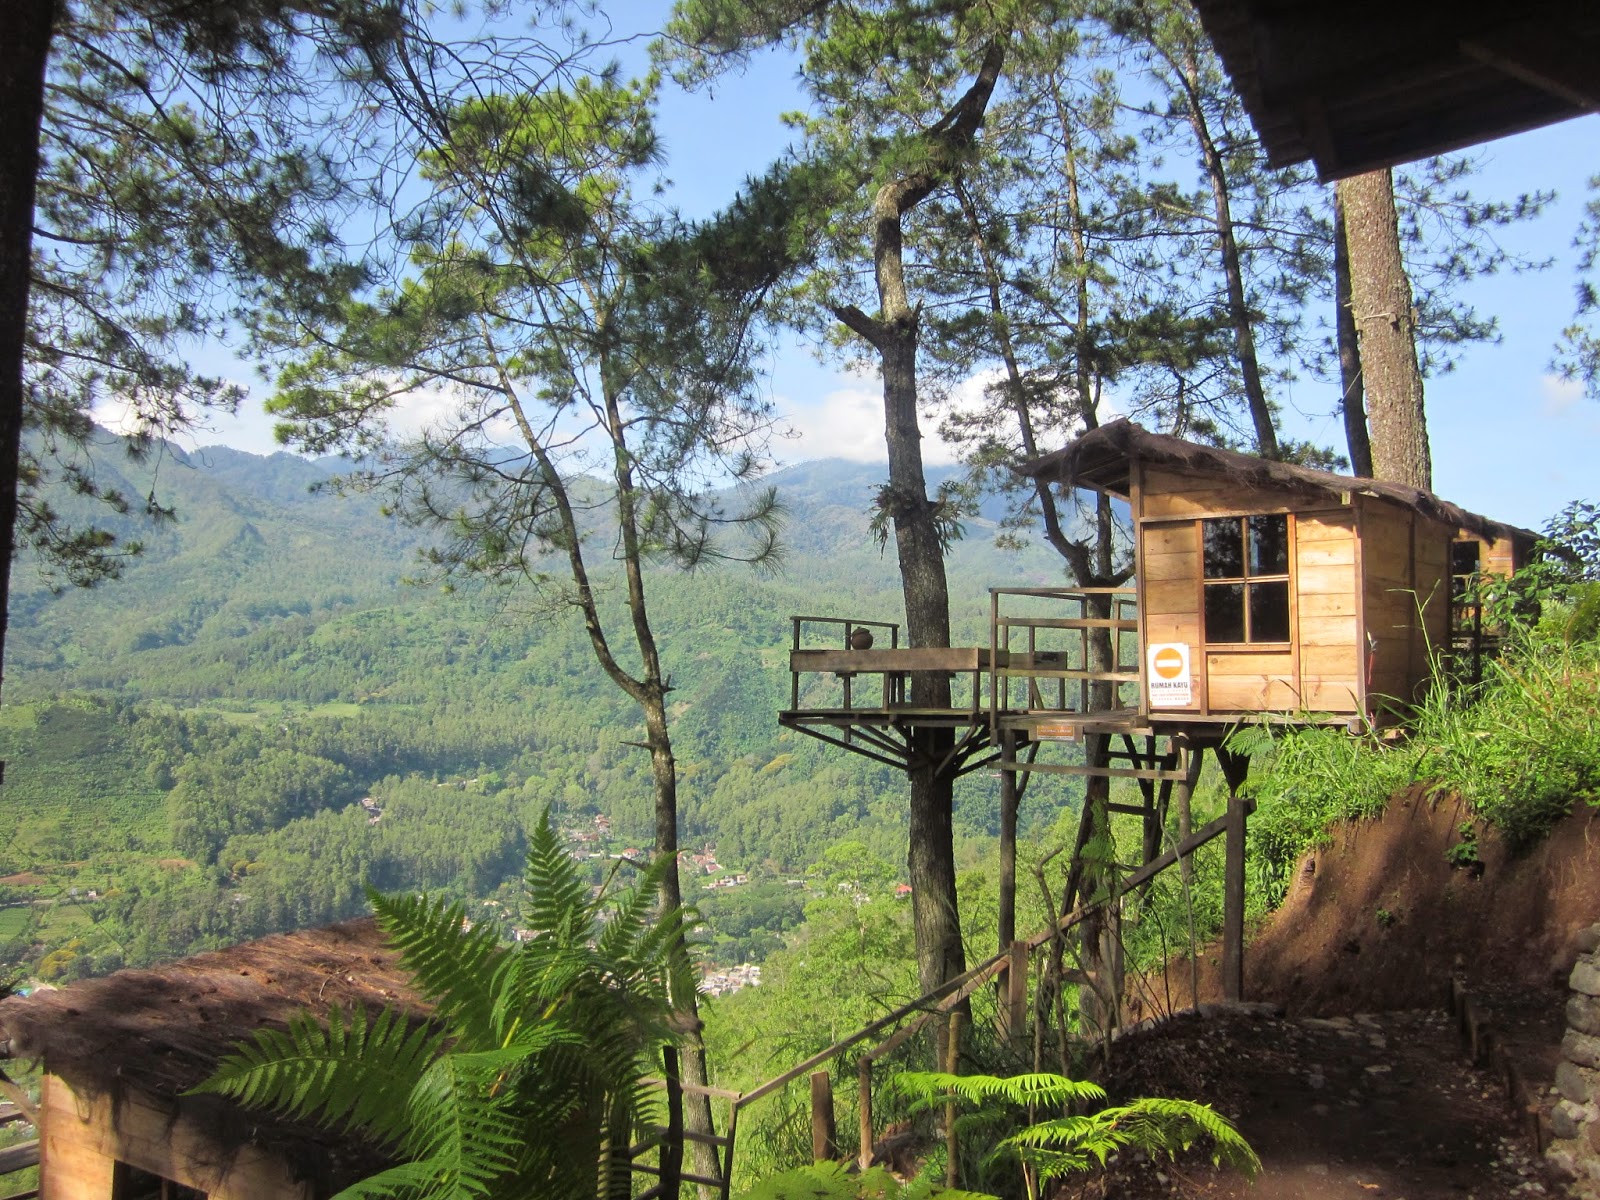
column 12, row 922
column 1521, row 749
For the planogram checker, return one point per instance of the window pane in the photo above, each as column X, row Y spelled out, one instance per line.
column 1464, row 557
column 1224, row 612
column 1269, row 545
column 1224, row 542
column 1269, row 612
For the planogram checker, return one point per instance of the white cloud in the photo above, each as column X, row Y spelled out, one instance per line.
column 848, row 423
column 1559, row 394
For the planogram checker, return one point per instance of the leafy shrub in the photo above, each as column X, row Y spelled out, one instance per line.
column 1521, row 749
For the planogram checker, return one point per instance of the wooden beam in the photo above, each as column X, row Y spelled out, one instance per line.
column 869, row 662
column 1540, row 58
column 15, row 1158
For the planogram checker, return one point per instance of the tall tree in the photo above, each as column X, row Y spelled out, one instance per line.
column 1385, row 321
column 1248, row 227
column 901, row 95
column 1578, row 354
column 159, row 182
column 595, row 355
column 22, row 70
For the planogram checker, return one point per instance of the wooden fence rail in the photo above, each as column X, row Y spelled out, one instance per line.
column 1010, row 968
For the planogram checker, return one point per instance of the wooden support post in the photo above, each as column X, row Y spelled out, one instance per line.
column 1014, row 1014
column 1007, row 920
column 824, row 1138
column 864, row 1109
column 1192, row 757
column 952, row 1060
column 1233, row 901
column 671, row 1162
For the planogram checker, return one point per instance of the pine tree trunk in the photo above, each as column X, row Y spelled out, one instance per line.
column 664, row 772
column 1380, row 295
column 1238, row 303
column 28, row 26
column 1352, row 395
column 930, row 857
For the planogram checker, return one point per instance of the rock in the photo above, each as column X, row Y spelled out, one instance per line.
column 1241, row 1008
column 1583, row 1013
column 1566, row 1119
column 1587, row 941
column 1576, row 1083
column 1338, row 1024
column 1592, row 1132
column 1581, row 1048
column 1563, row 1156
column 1585, row 977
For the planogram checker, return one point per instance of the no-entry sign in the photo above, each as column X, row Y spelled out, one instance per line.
column 1167, row 675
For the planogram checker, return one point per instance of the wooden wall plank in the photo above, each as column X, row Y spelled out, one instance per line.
column 1177, row 538
column 1176, row 597
column 1339, row 659
column 1250, row 663
column 1161, row 566
column 1339, row 553
column 1335, row 525
column 1326, row 604
column 87, row 1136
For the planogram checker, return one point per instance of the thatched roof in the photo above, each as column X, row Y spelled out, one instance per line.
column 1355, row 88
column 1102, row 460
column 162, row 1030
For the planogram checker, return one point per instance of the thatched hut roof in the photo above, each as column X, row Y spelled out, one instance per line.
column 1102, row 460
column 162, row 1030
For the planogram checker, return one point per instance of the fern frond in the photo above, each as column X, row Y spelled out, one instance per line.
column 835, row 1181
column 452, row 966
column 1182, row 1123
column 557, row 902
column 351, row 1074
column 462, row 1128
column 931, row 1088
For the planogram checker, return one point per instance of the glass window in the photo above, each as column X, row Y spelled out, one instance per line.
column 1224, row 555
column 1269, row 545
column 1225, row 612
column 1246, row 565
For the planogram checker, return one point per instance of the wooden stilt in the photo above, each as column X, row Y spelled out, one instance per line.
column 864, row 1112
column 1007, row 920
column 824, row 1138
column 1014, row 1012
column 1191, row 758
column 1233, row 901
column 952, row 1061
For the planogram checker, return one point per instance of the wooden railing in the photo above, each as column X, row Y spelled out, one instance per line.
column 1008, row 970
column 22, row 1155
column 1052, row 643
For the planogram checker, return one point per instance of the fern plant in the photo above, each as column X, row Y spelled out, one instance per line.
column 1056, row 1146
column 836, row 1181
column 528, row 1081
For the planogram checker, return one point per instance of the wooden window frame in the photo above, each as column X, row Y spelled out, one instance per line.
column 1245, row 580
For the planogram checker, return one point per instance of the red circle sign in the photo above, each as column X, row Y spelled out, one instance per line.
column 1168, row 663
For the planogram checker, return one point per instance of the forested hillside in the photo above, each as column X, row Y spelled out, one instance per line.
column 188, row 746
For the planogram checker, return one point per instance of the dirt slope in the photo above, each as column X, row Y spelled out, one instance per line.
column 1359, row 1088
column 1380, row 919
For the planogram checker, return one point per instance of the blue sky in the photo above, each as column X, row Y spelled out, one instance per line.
column 1509, row 439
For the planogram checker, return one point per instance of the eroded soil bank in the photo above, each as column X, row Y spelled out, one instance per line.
column 1360, row 1088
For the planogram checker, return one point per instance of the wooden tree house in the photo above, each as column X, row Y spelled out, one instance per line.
column 1263, row 592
